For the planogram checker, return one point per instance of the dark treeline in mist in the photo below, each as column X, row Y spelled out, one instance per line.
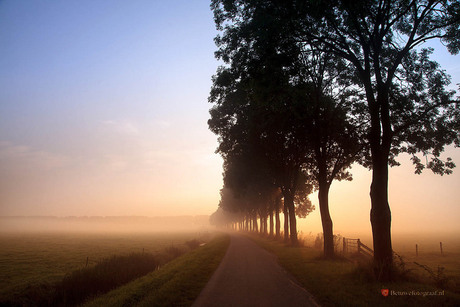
column 310, row 87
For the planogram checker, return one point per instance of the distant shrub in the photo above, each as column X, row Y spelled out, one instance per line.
column 80, row 285
column 439, row 277
column 319, row 241
column 174, row 252
column 103, row 277
column 192, row 244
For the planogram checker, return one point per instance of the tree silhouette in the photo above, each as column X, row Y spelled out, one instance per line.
column 299, row 127
column 334, row 133
column 259, row 158
column 409, row 108
column 255, row 109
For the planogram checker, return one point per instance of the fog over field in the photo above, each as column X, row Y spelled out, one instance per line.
column 402, row 241
column 103, row 224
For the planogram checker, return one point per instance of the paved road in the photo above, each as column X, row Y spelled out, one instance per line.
column 250, row 276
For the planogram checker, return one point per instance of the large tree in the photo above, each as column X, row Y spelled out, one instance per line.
column 409, row 108
column 334, row 130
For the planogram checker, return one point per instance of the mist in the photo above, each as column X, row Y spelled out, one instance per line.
column 103, row 224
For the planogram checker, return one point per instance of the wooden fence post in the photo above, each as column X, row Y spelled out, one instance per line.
column 359, row 246
column 440, row 245
column 416, row 249
column 344, row 245
column 87, row 258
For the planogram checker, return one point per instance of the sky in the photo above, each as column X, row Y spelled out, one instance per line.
column 103, row 111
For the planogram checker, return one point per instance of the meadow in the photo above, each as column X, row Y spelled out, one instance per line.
column 350, row 282
column 38, row 258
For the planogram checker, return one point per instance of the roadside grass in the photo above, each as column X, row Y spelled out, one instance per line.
column 178, row 283
column 343, row 283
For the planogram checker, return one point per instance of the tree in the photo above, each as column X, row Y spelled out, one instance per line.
column 408, row 106
column 255, row 106
column 259, row 142
column 303, row 129
column 334, row 133
column 223, row 218
column 336, row 145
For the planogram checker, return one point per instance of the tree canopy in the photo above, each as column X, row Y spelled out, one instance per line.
column 304, row 80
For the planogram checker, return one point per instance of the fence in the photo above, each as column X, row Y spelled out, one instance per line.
column 355, row 246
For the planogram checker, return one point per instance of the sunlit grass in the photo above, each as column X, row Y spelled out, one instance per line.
column 343, row 283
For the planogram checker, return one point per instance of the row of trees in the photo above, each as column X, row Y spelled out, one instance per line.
column 308, row 88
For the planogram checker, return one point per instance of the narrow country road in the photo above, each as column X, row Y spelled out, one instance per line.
column 250, row 276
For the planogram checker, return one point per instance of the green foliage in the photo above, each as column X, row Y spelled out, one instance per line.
column 408, row 104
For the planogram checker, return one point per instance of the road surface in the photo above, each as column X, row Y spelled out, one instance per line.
column 250, row 276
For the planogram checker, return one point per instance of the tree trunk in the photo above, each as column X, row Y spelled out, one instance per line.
column 289, row 201
column 286, row 223
column 256, row 226
column 380, row 139
column 381, row 221
column 262, row 224
column 328, row 235
column 271, row 223
column 265, row 224
column 264, row 219
column 277, row 224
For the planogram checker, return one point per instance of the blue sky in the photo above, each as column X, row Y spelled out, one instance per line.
column 103, row 111
column 96, row 60
column 109, row 84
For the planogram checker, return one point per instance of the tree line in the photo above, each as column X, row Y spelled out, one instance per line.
column 308, row 88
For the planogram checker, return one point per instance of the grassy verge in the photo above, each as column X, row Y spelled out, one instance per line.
column 342, row 283
column 178, row 283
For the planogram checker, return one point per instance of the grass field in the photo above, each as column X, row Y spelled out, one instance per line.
column 344, row 283
column 178, row 283
column 445, row 266
column 30, row 259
